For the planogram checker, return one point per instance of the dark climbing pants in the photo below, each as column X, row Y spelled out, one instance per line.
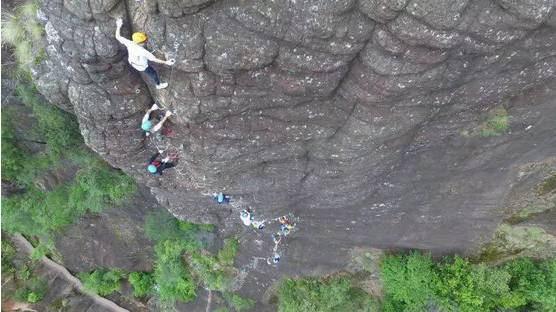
column 152, row 74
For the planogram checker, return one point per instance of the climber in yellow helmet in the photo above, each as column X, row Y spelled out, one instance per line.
column 139, row 57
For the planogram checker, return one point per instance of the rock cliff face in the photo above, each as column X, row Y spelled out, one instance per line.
column 361, row 117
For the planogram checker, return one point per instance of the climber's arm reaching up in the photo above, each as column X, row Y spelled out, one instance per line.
column 122, row 40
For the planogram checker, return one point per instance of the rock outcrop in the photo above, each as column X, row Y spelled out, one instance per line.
column 355, row 115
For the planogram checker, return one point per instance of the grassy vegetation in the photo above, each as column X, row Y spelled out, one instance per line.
column 38, row 212
column 335, row 293
column 11, row 154
column 32, row 291
column 161, row 226
column 23, row 32
column 512, row 241
column 142, row 283
column 8, row 254
column 102, row 282
column 237, row 302
column 547, row 186
column 496, row 123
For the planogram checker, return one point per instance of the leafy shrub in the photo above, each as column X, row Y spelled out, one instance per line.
column 142, row 283
column 407, row 282
column 496, row 123
column 8, row 254
column 173, row 280
column 43, row 249
column 102, row 282
column 238, row 302
column 228, row 253
column 24, row 272
column 33, row 290
column 314, row 295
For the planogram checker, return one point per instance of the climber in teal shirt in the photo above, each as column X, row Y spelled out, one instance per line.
column 147, row 122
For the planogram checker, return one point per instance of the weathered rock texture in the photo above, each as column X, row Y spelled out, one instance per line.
column 348, row 113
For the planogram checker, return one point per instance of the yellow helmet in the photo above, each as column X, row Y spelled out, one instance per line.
column 139, row 37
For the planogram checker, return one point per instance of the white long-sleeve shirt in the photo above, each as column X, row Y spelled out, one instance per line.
column 138, row 56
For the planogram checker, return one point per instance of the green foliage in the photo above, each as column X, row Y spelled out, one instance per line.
column 58, row 128
column 39, row 213
column 534, row 282
column 24, row 272
column 142, row 282
column 95, row 187
column 211, row 273
column 8, row 254
column 12, row 30
column 547, row 186
column 13, row 157
column 216, row 272
column 238, row 302
column 161, row 226
column 42, row 250
column 314, row 295
column 172, row 277
column 33, row 290
column 227, row 254
column 23, row 32
column 458, row 285
column 407, row 282
column 496, row 123
column 102, row 282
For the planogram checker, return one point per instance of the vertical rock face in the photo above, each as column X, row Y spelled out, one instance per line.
column 347, row 113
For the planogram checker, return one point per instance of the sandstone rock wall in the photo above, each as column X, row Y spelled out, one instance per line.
column 348, row 113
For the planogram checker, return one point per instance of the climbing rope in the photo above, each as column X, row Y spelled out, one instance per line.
column 176, row 44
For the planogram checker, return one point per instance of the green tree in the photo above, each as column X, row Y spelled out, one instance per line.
column 328, row 295
column 102, row 282
column 534, row 282
column 407, row 282
column 172, row 278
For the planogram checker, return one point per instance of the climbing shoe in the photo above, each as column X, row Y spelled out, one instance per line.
column 162, row 85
